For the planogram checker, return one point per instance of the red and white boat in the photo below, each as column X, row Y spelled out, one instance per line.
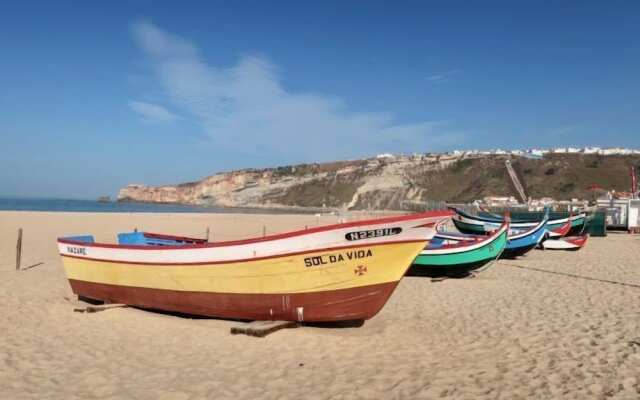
column 566, row 243
column 561, row 231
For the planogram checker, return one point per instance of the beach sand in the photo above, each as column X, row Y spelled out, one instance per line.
column 547, row 326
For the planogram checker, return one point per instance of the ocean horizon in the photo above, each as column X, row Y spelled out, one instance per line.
column 16, row 203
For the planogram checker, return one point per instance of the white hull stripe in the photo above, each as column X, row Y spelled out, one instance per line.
column 411, row 230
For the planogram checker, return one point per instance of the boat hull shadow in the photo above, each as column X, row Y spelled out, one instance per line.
column 450, row 271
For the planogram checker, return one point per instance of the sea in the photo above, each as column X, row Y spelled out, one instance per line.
column 74, row 205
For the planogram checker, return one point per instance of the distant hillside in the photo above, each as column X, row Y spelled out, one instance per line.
column 402, row 182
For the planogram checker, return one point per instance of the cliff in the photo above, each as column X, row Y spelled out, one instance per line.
column 403, row 182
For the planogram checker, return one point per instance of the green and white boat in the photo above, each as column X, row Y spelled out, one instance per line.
column 451, row 254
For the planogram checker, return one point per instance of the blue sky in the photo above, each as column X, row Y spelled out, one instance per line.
column 97, row 95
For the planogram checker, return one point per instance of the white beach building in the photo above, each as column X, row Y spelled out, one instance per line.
column 536, row 152
column 591, row 150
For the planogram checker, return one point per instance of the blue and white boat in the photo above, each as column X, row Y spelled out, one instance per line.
column 521, row 242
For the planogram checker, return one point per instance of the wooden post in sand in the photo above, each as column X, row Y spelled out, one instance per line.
column 19, row 249
column 264, row 231
column 207, row 233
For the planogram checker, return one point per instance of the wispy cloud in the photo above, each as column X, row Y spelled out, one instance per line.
column 152, row 112
column 442, row 77
column 245, row 106
column 563, row 130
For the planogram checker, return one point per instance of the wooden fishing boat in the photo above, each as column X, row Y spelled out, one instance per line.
column 566, row 243
column 521, row 242
column 450, row 255
column 475, row 224
column 331, row 273
column 561, row 231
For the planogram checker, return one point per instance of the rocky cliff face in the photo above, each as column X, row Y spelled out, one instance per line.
column 392, row 183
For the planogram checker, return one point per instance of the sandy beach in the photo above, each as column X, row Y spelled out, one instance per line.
column 551, row 325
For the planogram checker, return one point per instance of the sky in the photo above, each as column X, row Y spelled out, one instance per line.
column 96, row 95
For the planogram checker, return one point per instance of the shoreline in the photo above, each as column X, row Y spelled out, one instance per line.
column 8, row 204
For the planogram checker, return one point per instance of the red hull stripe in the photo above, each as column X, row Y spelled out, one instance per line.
column 335, row 305
column 564, row 229
column 328, row 249
column 430, row 214
column 580, row 241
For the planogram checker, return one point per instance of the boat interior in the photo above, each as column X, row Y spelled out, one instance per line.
column 143, row 239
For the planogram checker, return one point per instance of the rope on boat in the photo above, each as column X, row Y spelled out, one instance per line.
column 634, row 285
column 490, row 263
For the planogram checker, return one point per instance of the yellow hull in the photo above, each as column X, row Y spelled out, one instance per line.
column 345, row 284
column 309, row 272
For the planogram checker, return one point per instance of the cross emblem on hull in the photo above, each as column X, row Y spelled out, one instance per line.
column 360, row 270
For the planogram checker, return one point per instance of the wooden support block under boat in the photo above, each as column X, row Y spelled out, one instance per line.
column 261, row 328
column 86, row 305
column 98, row 308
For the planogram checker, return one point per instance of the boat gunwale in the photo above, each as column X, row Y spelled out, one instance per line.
column 268, row 238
